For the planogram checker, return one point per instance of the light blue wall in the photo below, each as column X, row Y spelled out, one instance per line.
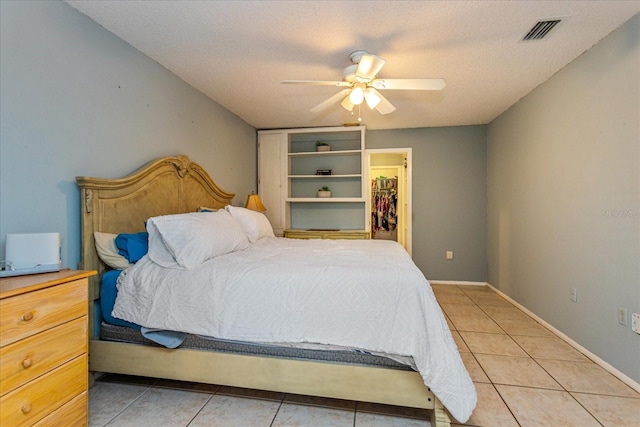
column 77, row 100
column 564, row 198
column 449, row 197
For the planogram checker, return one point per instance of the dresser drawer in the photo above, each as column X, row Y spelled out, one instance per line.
column 71, row 414
column 35, row 400
column 27, row 314
column 27, row 359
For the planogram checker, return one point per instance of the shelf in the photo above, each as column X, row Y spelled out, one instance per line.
column 326, row 153
column 325, row 200
column 325, row 176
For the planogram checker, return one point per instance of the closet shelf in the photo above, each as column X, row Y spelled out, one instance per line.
column 326, row 153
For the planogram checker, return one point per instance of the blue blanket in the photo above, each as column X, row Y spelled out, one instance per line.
column 133, row 246
column 108, row 294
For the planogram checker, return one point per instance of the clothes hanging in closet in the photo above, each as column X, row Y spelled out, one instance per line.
column 384, row 201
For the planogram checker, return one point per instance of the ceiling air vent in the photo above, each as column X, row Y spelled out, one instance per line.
column 541, row 29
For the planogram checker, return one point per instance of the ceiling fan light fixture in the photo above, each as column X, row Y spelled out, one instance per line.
column 357, row 95
column 361, row 84
column 372, row 98
column 347, row 104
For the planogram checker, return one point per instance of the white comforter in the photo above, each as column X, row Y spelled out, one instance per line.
column 357, row 294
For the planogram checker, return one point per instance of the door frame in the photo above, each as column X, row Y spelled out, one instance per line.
column 409, row 171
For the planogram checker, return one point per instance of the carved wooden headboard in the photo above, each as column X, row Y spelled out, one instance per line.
column 165, row 186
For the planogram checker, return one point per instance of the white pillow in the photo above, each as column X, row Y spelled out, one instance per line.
column 108, row 251
column 254, row 224
column 185, row 241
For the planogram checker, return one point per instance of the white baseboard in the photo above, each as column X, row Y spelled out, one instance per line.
column 456, row 282
column 621, row 376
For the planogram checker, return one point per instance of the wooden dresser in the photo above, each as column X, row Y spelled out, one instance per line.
column 328, row 234
column 43, row 349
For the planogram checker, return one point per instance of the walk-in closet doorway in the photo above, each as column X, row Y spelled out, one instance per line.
column 389, row 194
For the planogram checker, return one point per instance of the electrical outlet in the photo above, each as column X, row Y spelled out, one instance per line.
column 449, row 254
column 622, row 316
column 574, row 294
column 635, row 323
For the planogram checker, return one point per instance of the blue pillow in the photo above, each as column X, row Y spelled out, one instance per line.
column 205, row 209
column 133, row 246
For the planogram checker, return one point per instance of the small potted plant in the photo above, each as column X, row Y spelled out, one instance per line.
column 324, row 192
column 322, row 146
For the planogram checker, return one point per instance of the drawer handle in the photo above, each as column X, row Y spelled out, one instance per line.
column 26, row 363
column 25, row 408
column 27, row 316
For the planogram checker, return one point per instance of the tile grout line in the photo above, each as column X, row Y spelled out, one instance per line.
column 128, row 405
column 202, row 407
column 273, row 420
column 355, row 413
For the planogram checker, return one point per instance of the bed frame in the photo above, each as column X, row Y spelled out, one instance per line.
column 174, row 185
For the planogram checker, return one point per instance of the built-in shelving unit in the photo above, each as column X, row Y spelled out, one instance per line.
column 303, row 209
column 345, row 209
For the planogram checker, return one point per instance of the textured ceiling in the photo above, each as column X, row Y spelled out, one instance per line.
column 237, row 52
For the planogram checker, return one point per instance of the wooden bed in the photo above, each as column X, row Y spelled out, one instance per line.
column 174, row 185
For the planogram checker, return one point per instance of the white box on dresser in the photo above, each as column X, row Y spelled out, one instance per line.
column 43, row 349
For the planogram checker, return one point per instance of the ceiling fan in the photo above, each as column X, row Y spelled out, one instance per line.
column 363, row 85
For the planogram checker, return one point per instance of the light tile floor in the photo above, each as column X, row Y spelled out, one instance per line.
column 524, row 375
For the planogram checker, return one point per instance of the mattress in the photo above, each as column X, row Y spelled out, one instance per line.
column 114, row 329
column 110, row 332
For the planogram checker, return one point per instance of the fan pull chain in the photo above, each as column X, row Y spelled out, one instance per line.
column 359, row 117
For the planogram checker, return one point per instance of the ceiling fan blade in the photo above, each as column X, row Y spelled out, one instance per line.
column 369, row 66
column 329, row 102
column 409, row 84
column 316, row 82
column 384, row 106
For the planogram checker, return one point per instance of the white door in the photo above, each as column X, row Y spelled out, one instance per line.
column 271, row 179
